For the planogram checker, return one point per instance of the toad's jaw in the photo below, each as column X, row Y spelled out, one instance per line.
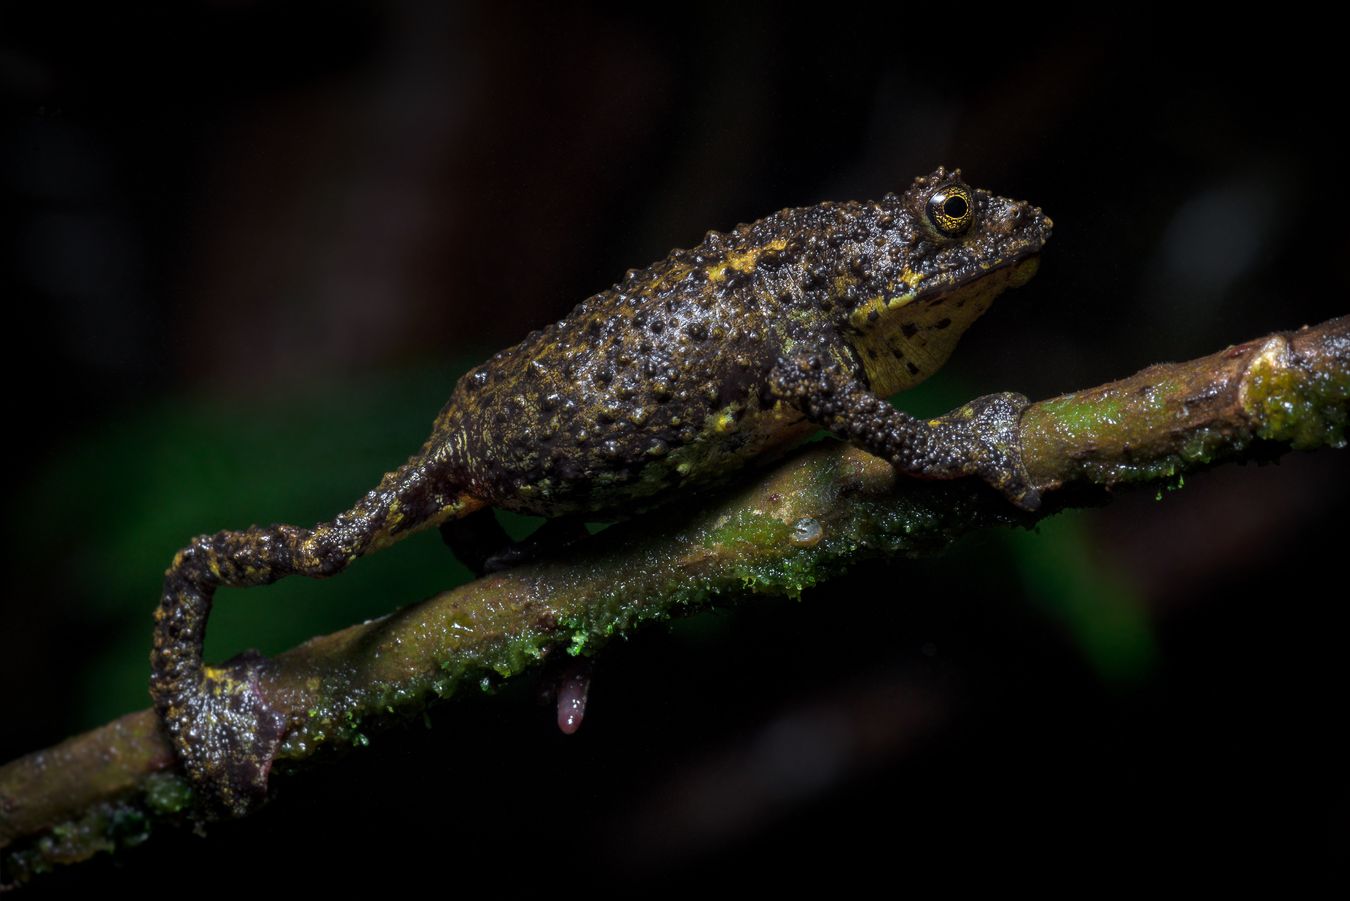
column 914, row 334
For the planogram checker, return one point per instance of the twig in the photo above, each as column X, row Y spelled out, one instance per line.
column 826, row 507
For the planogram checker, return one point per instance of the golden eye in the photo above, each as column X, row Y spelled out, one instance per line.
column 951, row 209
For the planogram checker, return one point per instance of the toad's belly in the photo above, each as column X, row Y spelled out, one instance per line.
column 597, row 482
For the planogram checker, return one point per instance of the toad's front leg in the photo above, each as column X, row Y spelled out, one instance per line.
column 979, row 438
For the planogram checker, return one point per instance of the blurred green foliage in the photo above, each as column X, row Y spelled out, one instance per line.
column 1094, row 604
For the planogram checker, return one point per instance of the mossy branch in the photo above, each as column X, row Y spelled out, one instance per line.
column 809, row 518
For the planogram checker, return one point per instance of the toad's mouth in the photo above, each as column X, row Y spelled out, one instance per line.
column 973, row 295
column 1008, row 272
column 957, row 291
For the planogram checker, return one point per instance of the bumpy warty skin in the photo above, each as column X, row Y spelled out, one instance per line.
column 661, row 383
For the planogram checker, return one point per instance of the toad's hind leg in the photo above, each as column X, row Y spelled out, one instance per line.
column 481, row 544
column 475, row 538
column 223, row 729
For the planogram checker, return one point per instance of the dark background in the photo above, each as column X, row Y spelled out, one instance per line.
column 249, row 246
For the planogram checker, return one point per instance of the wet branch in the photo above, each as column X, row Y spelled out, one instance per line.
column 824, row 508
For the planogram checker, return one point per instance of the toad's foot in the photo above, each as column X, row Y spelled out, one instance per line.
column 227, row 735
column 984, row 436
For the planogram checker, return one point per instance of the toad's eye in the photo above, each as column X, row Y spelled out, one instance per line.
column 951, row 210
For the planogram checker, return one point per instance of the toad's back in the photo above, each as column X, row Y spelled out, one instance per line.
column 658, row 383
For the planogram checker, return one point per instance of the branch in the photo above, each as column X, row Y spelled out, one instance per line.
column 828, row 506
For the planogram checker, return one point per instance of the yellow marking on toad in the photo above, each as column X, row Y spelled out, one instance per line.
column 880, row 305
column 744, row 261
